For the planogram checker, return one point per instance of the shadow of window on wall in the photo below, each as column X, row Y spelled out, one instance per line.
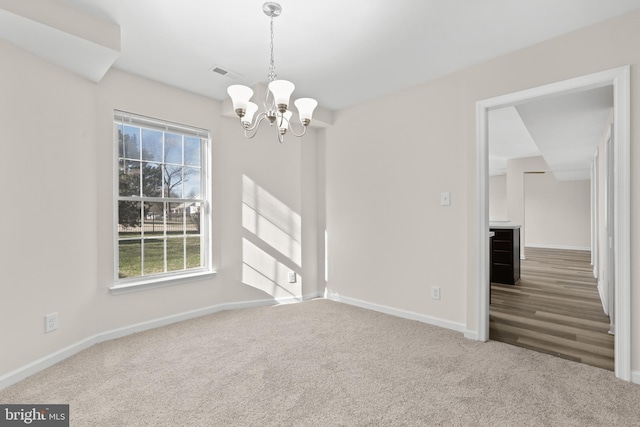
column 272, row 243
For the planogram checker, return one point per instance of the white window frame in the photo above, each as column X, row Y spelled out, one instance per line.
column 138, row 283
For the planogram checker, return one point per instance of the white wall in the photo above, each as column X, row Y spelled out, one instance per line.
column 557, row 213
column 49, row 213
column 498, row 198
column 516, row 170
column 552, row 213
column 57, row 154
column 389, row 238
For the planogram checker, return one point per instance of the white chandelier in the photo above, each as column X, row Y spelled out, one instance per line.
column 276, row 100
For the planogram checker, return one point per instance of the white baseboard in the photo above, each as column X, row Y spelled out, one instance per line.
column 305, row 297
column 566, row 247
column 175, row 318
column 459, row 327
column 23, row 372
column 38, row 365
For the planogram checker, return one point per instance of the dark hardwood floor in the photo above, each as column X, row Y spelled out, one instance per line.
column 554, row 309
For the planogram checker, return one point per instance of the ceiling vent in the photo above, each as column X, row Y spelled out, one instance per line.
column 225, row 72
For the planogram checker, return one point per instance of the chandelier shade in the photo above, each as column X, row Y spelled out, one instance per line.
column 305, row 108
column 283, row 122
column 281, row 91
column 252, row 109
column 276, row 101
column 240, row 96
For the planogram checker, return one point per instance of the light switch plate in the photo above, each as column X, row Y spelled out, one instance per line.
column 445, row 198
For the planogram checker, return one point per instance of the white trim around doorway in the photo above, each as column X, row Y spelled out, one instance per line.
column 619, row 79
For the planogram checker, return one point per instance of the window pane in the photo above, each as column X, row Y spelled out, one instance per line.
column 129, row 178
column 131, row 142
column 151, row 179
column 192, row 183
column 153, row 256
column 172, row 148
column 129, row 224
column 192, row 212
column 154, row 219
column 130, row 257
column 175, row 218
column 172, row 181
column 193, row 252
column 175, row 254
column 191, row 151
column 151, row 145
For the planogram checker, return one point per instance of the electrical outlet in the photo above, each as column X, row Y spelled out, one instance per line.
column 435, row 292
column 292, row 277
column 51, row 322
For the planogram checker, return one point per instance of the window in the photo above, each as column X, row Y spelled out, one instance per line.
column 162, row 202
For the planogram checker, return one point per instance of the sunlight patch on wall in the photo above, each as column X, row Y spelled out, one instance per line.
column 262, row 271
column 271, row 220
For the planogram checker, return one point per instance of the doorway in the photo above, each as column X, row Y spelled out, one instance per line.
column 556, row 307
column 619, row 79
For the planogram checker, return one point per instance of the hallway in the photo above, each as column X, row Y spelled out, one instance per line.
column 554, row 309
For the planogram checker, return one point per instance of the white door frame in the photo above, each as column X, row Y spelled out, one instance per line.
column 595, row 221
column 609, row 193
column 619, row 79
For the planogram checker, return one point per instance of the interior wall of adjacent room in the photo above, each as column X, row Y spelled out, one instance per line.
column 552, row 213
column 557, row 213
column 498, row 198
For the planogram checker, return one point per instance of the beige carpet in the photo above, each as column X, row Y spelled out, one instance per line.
column 322, row 363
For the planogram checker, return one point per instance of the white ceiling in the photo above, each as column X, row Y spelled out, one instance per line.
column 341, row 52
column 565, row 130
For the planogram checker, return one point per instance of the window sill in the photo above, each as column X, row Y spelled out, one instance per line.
column 160, row 282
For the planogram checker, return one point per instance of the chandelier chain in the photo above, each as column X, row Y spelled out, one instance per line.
column 272, row 66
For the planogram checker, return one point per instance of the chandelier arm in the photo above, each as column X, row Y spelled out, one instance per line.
column 259, row 118
column 293, row 131
column 252, row 131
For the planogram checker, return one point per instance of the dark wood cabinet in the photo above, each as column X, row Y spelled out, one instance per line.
column 505, row 255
